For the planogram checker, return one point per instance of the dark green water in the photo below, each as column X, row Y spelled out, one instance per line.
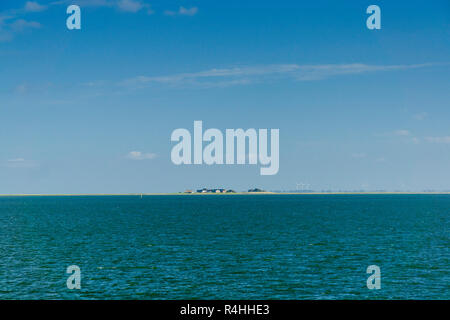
column 225, row 247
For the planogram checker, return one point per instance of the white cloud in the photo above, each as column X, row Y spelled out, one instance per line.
column 415, row 140
column 11, row 21
column 21, row 163
column 21, row 25
column 188, row 12
column 402, row 133
column 130, row 5
column 9, row 27
column 445, row 139
column 252, row 74
column 420, row 116
column 134, row 6
column 32, row 6
column 87, row 3
column 138, row 155
column 182, row 11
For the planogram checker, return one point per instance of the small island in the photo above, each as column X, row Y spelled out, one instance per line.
column 221, row 190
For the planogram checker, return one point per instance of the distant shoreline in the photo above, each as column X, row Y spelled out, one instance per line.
column 224, row 194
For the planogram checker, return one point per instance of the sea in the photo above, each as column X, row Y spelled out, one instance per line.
column 268, row 246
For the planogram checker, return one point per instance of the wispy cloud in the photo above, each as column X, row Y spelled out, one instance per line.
column 92, row 84
column 87, row 3
column 10, row 27
column 359, row 155
column 444, row 139
column 420, row 116
column 253, row 74
column 129, row 5
column 22, row 24
column 32, row 6
column 21, row 163
column 122, row 5
column 138, row 155
column 402, row 132
column 319, row 72
column 405, row 136
column 415, row 140
column 13, row 21
column 133, row 6
column 188, row 12
column 182, row 11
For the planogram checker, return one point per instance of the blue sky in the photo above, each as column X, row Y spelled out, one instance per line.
column 356, row 108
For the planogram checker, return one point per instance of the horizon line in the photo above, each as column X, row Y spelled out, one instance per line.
column 236, row 193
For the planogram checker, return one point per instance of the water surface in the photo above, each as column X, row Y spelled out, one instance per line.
column 225, row 246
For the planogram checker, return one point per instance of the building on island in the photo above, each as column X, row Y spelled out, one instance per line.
column 215, row 190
